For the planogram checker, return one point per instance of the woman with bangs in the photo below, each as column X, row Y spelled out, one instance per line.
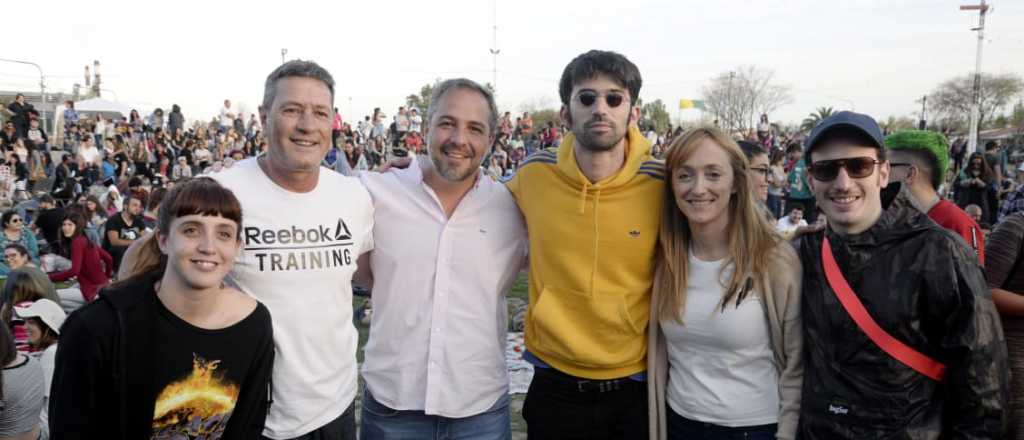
column 725, row 338
column 171, row 351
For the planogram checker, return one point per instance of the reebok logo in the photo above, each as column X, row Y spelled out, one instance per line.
column 300, row 248
column 296, row 235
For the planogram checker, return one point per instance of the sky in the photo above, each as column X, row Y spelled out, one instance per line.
column 872, row 56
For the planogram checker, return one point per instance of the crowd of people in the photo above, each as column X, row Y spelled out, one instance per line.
column 166, row 281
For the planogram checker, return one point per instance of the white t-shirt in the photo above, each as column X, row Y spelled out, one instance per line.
column 786, row 226
column 415, row 121
column 721, row 365
column 225, row 120
column 300, row 252
column 90, row 154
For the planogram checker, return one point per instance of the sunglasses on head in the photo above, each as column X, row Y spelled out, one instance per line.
column 856, row 168
column 589, row 98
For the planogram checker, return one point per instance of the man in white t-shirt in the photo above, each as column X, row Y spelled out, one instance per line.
column 435, row 359
column 415, row 121
column 788, row 224
column 304, row 230
column 227, row 117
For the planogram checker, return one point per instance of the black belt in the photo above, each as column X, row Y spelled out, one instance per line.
column 582, row 385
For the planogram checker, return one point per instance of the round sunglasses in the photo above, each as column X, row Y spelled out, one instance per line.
column 589, row 98
column 856, row 168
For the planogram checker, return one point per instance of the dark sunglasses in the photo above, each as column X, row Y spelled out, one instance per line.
column 11, row 256
column 15, row 220
column 589, row 98
column 856, row 168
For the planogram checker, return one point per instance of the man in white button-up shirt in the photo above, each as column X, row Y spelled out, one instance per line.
column 449, row 242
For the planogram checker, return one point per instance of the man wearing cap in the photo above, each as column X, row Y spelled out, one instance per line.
column 919, row 160
column 902, row 339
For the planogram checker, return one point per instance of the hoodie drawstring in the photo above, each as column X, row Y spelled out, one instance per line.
column 597, row 240
column 583, row 195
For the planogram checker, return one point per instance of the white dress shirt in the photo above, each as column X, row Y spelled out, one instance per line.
column 437, row 337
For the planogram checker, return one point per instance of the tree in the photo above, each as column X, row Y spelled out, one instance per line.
column 421, row 101
column 951, row 101
column 656, row 114
column 893, row 124
column 814, row 118
column 737, row 98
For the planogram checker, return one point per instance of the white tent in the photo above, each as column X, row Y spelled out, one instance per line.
column 102, row 106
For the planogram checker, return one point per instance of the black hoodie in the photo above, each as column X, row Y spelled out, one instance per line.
column 104, row 382
column 922, row 284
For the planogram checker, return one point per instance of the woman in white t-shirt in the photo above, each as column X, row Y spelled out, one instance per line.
column 725, row 346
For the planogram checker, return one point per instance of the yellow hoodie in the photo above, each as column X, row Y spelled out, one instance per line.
column 592, row 248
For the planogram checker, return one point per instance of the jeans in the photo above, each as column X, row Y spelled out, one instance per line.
column 775, row 205
column 383, row 423
column 341, row 428
column 560, row 406
column 681, row 428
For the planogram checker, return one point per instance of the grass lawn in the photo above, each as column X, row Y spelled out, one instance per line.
column 519, row 290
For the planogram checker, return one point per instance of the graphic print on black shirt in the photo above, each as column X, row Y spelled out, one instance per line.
column 197, row 406
column 201, row 376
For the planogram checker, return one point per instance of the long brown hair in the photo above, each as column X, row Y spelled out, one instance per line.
column 199, row 196
column 751, row 237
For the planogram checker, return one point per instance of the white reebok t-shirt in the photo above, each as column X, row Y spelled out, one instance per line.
column 300, row 252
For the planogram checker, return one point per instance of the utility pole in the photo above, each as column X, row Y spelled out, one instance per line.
column 494, row 51
column 283, row 53
column 923, row 122
column 972, row 137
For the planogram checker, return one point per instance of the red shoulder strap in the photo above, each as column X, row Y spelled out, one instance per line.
column 892, row 346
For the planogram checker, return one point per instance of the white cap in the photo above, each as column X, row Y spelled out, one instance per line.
column 46, row 310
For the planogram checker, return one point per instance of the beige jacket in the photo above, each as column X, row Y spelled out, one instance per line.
column 782, row 309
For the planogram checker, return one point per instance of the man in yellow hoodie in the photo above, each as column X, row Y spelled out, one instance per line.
column 592, row 209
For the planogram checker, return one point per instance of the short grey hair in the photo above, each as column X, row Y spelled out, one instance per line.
column 295, row 68
column 463, row 83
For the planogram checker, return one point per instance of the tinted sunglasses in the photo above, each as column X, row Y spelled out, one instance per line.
column 589, row 98
column 856, row 168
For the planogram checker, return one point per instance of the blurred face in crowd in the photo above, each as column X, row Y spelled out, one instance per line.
column 14, row 259
column 758, row 174
column 133, row 207
column 598, row 113
column 298, row 124
column 974, row 211
column 67, row 228
column 35, row 329
column 14, row 223
column 459, row 134
column 704, row 184
column 796, row 215
column 852, row 204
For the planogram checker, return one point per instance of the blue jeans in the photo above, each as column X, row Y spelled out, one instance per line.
column 381, row 422
column 775, row 205
column 681, row 428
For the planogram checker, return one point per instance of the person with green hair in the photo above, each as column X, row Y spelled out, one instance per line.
column 920, row 159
